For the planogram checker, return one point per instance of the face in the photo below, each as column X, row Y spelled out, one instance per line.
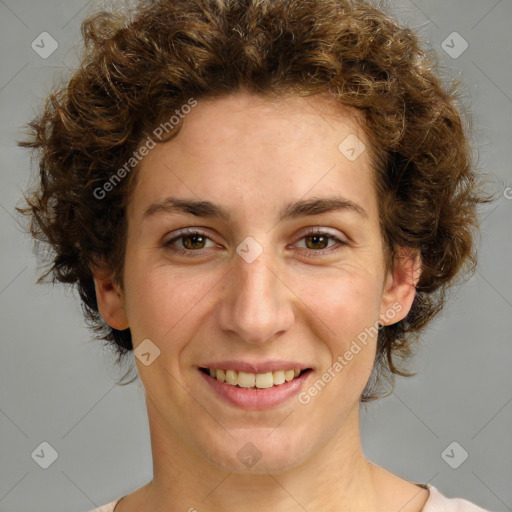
column 265, row 282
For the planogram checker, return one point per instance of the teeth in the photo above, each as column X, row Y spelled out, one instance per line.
column 251, row 380
column 231, row 377
column 264, row 380
column 246, row 380
column 279, row 377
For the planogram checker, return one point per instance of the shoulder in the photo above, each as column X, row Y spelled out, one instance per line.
column 109, row 507
column 437, row 502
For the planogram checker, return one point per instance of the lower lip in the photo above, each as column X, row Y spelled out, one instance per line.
column 256, row 399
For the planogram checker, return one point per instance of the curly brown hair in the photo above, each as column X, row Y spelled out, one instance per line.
column 138, row 67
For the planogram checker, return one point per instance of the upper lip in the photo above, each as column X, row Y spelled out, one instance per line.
column 255, row 367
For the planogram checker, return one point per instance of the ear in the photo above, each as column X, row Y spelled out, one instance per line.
column 400, row 286
column 109, row 297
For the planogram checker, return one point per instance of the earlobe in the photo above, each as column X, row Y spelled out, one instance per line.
column 400, row 287
column 110, row 298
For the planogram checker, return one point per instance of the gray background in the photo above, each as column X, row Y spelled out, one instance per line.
column 56, row 385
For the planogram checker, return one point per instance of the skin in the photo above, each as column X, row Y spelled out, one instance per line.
column 253, row 155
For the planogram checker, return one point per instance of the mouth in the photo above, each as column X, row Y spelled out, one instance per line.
column 255, row 385
column 247, row 380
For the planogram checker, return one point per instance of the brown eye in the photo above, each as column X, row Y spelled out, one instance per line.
column 317, row 242
column 188, row 242
column 192, row 241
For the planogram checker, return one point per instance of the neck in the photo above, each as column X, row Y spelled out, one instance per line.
column 337, row 477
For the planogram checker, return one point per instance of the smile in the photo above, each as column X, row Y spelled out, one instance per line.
column 255, row 391
column 253, row 380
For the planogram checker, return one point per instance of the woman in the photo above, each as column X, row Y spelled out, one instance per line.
column 266, row 201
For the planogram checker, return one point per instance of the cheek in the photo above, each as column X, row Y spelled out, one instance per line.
column 347, row 303
column 350, row 308
column 160, row 302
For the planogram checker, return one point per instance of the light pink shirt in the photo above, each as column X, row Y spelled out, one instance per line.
column 436, row 502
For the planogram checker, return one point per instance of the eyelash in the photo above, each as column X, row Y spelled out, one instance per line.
column 187, row 232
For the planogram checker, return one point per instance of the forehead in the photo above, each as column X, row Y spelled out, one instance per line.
column 252, row 150
column 244, row 119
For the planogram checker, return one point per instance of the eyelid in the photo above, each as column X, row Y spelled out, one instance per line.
column 176, row 235
column 305, row 232
column 340, row 240
column 312, row 230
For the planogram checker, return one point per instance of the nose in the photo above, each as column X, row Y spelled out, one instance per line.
column 257, row 304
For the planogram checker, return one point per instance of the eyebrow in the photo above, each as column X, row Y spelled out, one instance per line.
column 293, row 210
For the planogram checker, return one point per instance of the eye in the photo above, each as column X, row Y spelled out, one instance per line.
column 190, row 240
column 317, row 240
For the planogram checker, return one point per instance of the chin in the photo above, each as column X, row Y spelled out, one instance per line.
column 257, row 451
